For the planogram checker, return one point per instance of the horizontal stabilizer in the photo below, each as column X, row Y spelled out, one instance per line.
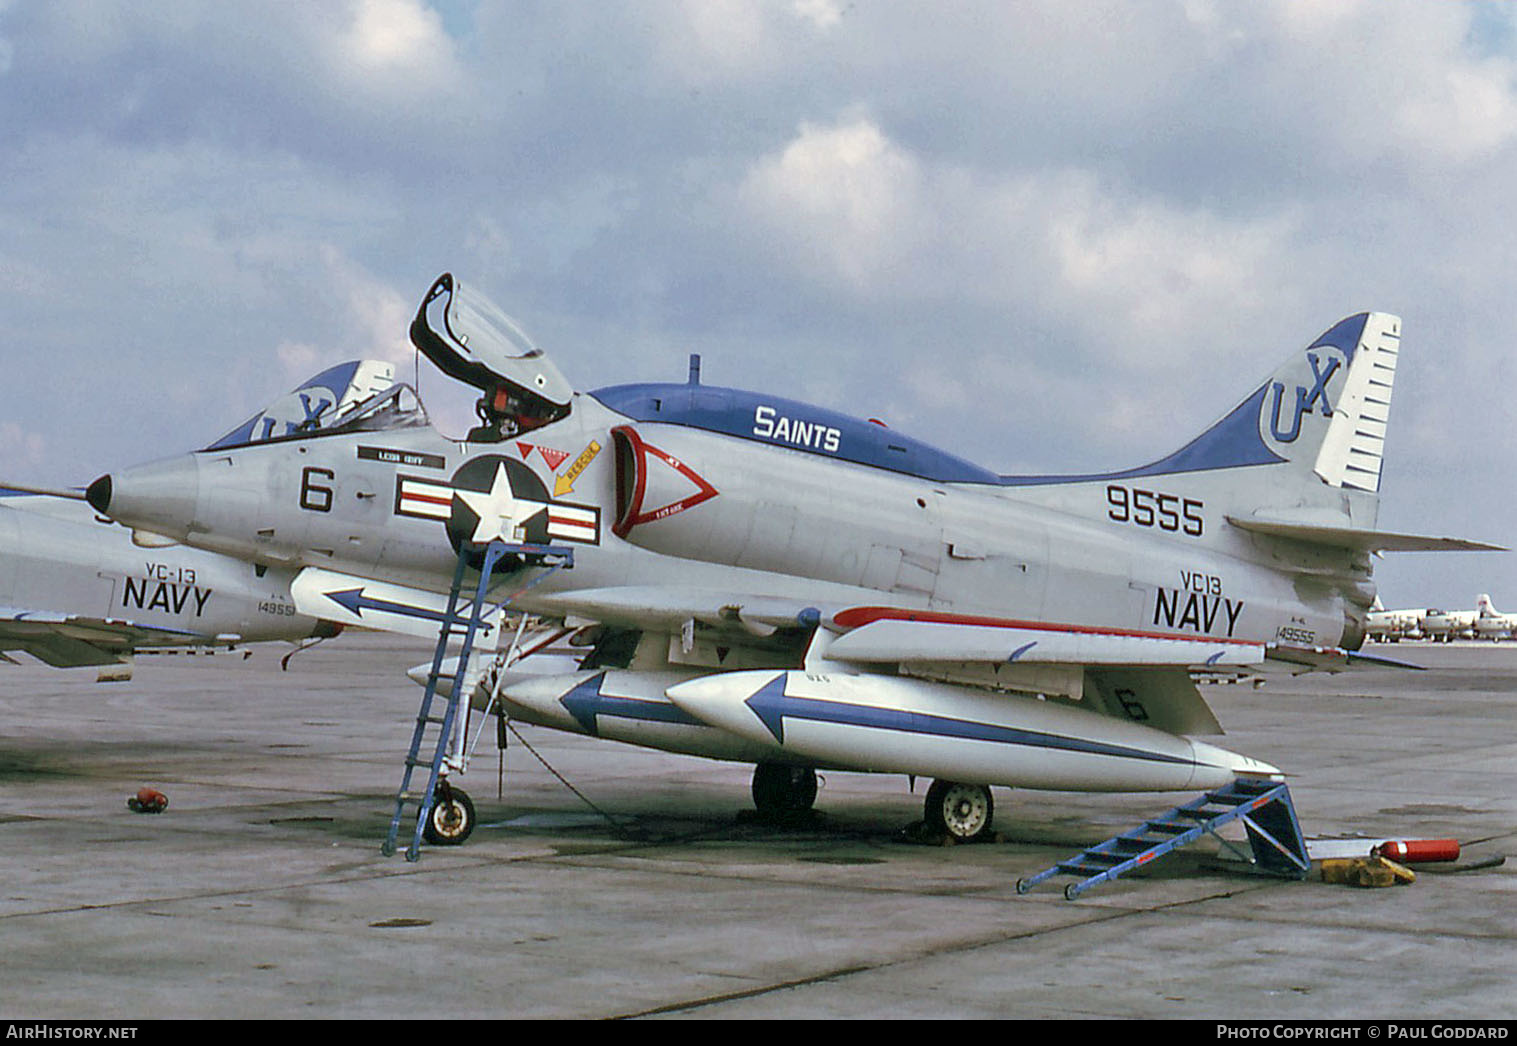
column 1355, row 538
column 891, row 640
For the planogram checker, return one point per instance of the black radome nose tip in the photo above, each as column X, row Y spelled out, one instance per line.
column 98, row 494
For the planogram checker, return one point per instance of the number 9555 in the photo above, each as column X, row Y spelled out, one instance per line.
column 1147, row 508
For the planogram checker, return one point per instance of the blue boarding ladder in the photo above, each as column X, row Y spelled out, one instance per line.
column 1263, row 806
column 451, row 731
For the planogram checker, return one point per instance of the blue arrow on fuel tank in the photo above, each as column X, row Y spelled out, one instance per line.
column 771, row 704
column 586, row 703
column 355, row 602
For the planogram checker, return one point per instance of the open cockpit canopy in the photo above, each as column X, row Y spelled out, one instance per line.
column 471, row 338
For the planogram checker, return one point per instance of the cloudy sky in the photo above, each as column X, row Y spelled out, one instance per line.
column 1050, row 236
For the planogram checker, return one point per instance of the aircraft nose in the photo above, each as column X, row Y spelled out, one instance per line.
column 159, row 497
column 98, row 494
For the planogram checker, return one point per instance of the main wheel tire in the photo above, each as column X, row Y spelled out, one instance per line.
column 780, row 789
column 451, row 819
column 960, row 811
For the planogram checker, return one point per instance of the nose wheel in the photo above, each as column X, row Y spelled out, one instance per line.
column 963, row 812
column 451, row 819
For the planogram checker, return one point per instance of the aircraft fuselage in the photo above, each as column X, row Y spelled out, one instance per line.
column 776, row 512
column 77, row 591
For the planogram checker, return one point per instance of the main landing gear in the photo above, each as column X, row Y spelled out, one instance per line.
column 962, row 812
column 953, row 810
column 782, row 791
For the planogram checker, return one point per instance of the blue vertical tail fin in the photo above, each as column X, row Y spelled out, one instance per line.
column 1310, row 438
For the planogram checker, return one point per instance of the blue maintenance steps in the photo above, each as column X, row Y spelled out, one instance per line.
column 484, row 558
column 1264, row 807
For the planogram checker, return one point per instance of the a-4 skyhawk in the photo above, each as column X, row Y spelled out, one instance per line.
column 772, row 582
column 76, row 590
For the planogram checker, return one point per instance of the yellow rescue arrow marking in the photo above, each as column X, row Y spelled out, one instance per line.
column 565, row 483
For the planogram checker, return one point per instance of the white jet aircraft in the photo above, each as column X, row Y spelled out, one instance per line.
column 775, row 583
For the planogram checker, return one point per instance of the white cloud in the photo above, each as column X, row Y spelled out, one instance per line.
column 1395, row 82
column 824, row 14
column 847, row 204
column 396, row 46
column 724, row 42
column 1307, row 21
column 20, row 448
column 1466, row 113
column 708, row 41
column 1159, row 274
column 843, row 198
column 371, row 318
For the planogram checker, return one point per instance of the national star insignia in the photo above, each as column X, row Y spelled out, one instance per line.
column 500, row 511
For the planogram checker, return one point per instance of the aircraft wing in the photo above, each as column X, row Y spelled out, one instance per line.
column 888, row 636
column 1125, row 674
column 1122, row 673
column 892, row 638
column 878, row 635
column 72, row 641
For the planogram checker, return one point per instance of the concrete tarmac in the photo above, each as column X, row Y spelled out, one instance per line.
column 261, row 890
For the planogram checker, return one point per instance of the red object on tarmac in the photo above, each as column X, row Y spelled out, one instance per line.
column 148, row 801
column 1416, row 851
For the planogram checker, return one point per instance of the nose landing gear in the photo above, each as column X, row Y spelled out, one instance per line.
column 451, row 819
